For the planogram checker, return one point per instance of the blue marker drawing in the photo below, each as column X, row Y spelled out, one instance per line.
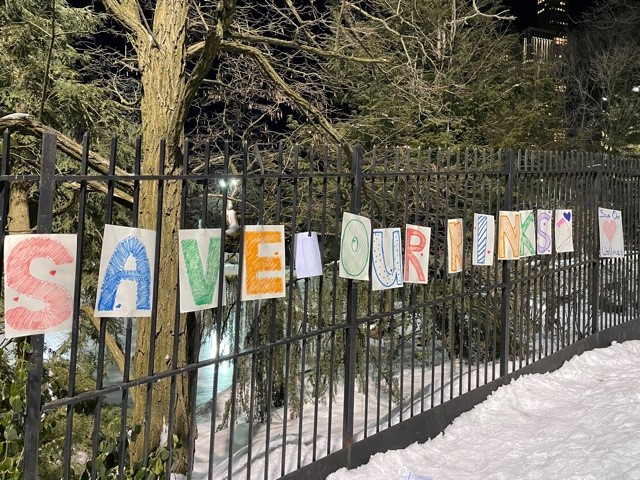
column 484, row 239
column 386, row 277
column 483, row 222
column 116, row 272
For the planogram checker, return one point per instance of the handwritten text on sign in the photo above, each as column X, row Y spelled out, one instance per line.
column 564, row 231
column 355, row 247
column 611, row 234
column 455, row 239
column 527, row 234
column 509, row 235
column 416, row 254
column 484, row 239
column 199, row 268
column 125, row 286
column 263, row 262
column 39, row 283
column 544, row 221
column 387, row 258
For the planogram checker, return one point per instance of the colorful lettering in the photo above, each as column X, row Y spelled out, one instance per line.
column 484, row 236
column 263, row 262
column 355, row 247
column 455, row 239
column 44, row 305
column 527, row 234
column 544, row 242
column 202, row 292
column 387, row 242
column 131, row 248
column 416, row 254
column 509, row 236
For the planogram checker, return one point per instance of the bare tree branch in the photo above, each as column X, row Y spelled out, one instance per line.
column 223, row 16
column 478, row 13
column 127, row 12
column 26, row 125
column 259, row 39
column 273, row 76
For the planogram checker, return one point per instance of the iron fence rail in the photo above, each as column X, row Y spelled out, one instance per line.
column 334, row 362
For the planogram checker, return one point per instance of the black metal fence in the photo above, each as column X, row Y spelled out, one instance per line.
column 271, row 386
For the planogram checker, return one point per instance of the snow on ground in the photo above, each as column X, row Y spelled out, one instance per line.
column 579, row 422
column 314, row 435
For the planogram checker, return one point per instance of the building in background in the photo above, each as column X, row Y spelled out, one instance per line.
column 552, row 18
column 547, row 39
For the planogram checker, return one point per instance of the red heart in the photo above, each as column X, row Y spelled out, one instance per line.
column 53, row 273
column 15, row 299
column 609, row 227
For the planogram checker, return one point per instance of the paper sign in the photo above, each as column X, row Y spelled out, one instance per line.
column 199, row 269
column 308, row 259
column 39, row 273
column 527, row 234
column 564, row 231
column 263, row 262
column 611, row 234
column 509, row 236
column 544, row 241
column 355, row 247
column 484, row 239
column 455, row 238
column 125, row 281
column 387, row 259
column 416, row 254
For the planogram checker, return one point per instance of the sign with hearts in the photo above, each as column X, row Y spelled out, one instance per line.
column 564, row 231
column 611, row 234
column 39, row 273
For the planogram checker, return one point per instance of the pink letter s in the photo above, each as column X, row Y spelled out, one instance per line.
column 59, row 302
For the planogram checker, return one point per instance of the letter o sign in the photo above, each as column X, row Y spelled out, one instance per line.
column 354, row 249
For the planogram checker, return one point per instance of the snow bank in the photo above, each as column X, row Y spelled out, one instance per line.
column 579, row 422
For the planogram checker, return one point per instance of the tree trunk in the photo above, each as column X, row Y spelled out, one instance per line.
column 162, row 63
column 18, row 215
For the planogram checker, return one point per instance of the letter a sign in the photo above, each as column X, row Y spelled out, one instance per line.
column 125, row 282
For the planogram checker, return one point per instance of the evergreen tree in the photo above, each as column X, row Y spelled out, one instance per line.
column 458, row 80
column 602, row 67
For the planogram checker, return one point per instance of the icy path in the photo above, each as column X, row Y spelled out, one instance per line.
column 579, row 422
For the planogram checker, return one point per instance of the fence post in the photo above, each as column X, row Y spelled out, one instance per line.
column 34, row 382
column 595, row 271
column 350, row 350
column 506, row 273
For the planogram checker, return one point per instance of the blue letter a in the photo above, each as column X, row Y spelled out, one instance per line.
column 116, row 273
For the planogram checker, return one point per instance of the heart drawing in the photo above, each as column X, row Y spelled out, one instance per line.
column 609, row 227
column 567, row 215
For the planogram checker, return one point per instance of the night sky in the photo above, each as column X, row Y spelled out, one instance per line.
column 525, row 10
